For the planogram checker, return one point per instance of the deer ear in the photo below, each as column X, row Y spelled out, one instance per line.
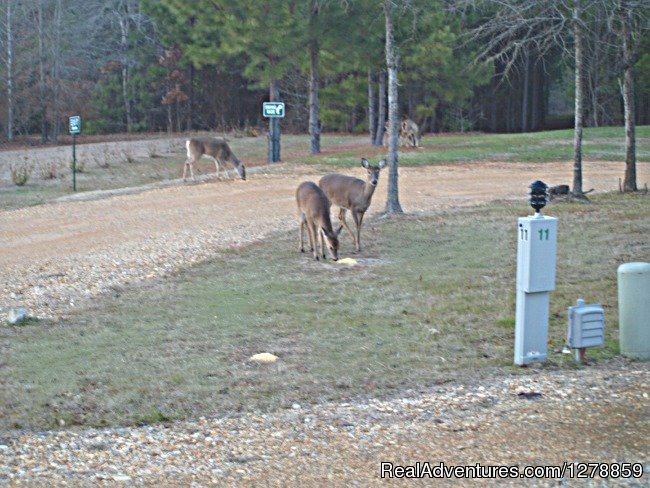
column 365, row 163
column 382, row 163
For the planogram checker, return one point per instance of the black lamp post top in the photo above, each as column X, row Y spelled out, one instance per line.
column 538, row 195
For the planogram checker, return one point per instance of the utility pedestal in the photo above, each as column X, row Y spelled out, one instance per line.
column 536, row 256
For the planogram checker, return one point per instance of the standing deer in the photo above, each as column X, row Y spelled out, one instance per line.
column 410, row 131
column 215, row 148
column 314, row 213
column 353, row 194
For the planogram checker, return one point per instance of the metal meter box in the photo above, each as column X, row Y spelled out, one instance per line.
column 586, row 325
column 536, row 251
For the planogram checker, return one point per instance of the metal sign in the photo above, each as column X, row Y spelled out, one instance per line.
column 75, row 125
column 273, row 109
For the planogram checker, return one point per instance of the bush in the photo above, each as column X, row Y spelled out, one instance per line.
column 48, row 170
column 20, row 172
column 80, row 166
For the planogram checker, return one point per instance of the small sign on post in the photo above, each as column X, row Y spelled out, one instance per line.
column 273, row 109
column 75, row 125
column 75, row 128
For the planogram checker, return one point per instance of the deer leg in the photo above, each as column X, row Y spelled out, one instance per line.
column 302, row 233
column 313, row 236
column 358, row 219
column 321, row 238
column 216, row 165
column 344, row 222
column 188, row 164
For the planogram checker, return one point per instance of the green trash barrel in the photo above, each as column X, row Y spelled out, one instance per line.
column 634, row 310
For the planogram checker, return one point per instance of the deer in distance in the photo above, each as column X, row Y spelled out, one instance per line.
column 314, row 213
column 409, row 133
column 212, row 147
column 353, row 194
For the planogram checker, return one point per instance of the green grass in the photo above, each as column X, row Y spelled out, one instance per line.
column 600, row 144
column 432, row 301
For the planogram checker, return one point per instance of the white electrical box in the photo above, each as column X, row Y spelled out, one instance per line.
column 536, row 250
column 586, row 325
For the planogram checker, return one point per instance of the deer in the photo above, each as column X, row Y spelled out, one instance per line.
column 212, row 147
column 409, row 133
column 353, row 194
column 314, row 213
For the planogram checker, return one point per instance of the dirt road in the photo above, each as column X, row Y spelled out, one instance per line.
column 53, row 255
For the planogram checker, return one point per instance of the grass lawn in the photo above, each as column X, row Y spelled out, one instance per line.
column 600, row 144
column 432, row 301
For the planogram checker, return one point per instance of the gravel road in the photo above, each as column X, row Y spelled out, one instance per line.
column 52, row 257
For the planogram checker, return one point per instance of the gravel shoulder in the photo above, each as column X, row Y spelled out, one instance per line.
column 591, row 415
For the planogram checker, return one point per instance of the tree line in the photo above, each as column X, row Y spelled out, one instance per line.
column 463, row 65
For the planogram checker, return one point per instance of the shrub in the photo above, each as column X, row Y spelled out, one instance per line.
column 20, row 172
column 48, row 170
column 153, row 151
column 128, row 157
column 80, row 166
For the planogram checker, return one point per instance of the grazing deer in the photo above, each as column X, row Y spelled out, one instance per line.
column 214, row 148
column 353, row 194
column 314, row 213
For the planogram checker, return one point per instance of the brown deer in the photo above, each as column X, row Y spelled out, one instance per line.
column 215, row 148
column 314, row 213
column 353, row 194
column 410, row 132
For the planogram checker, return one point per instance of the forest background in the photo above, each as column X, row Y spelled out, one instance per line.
column 172, row 65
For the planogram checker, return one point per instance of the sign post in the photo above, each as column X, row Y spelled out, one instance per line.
column 75, row 128
column 273, row 111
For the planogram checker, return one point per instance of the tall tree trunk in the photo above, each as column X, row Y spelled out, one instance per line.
column 392, row 203
column 579, row 96
column 41, row 72
column 494, row 85
column 124, row 45
column 10, row 75
column 190, row 100
column 56, row 73
column 534, row 104
column 525, row 96
column 381, row 113
column 314, row 108
column 190, row 103
column 628, row 100
column 372, row 109
column 274, row 124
